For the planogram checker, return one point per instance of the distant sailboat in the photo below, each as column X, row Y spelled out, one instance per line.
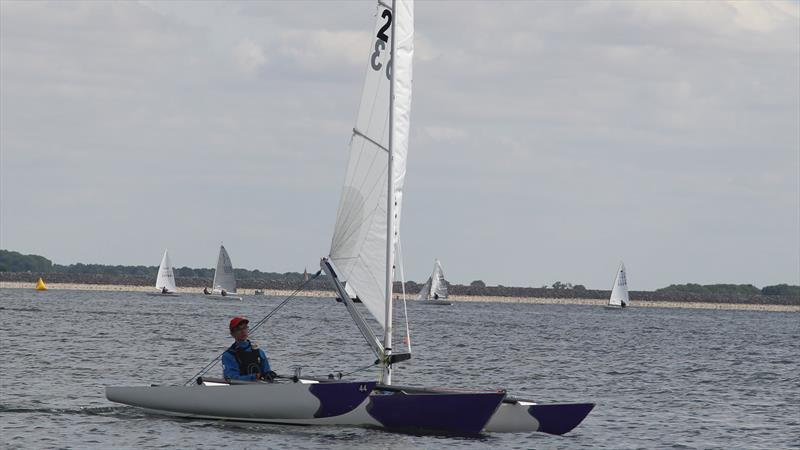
column 224, row 282
column 435, row 290
column 619, row 293
column 40, row 286
column 165, row 282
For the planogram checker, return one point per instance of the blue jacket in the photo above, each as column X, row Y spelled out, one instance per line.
column 230, row 367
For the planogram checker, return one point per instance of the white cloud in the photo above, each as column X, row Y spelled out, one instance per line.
column 248, row 57
column 448, row 134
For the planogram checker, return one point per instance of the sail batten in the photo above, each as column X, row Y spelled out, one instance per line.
column 360, row 243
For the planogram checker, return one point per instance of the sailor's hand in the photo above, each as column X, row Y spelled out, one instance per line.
column 269, row 376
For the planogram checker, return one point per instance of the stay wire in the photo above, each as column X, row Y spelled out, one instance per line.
column 361, row 368
column 258, row 324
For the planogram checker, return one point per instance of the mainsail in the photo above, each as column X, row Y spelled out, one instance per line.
column 224, row 279
column 166, row 279
column 359, row 245
column 619, row 293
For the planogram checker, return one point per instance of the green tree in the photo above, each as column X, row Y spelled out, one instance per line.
column 781, row 289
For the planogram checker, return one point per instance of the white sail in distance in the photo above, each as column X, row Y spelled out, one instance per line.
column 436, row 286
column 619, row 293
column 166, row 278
column 359, row 243
column 224, row 280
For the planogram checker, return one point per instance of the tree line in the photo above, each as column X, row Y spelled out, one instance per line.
column 11, row 261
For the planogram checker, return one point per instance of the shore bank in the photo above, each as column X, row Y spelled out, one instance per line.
column 454, row 298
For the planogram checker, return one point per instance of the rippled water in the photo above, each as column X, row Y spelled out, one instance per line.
column 660, row 377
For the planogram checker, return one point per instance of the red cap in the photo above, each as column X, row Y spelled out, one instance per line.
column 236, row 321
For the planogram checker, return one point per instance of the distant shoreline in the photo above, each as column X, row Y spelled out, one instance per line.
column 454, row 298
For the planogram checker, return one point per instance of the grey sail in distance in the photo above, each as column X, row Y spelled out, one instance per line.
column 224, row 279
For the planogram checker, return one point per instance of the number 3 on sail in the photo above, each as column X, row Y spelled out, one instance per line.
column 380, row 45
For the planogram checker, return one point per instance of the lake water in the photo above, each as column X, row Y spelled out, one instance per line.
column 661, row 378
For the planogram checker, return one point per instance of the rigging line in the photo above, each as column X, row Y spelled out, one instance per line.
column 258, row 324
column 377, row 361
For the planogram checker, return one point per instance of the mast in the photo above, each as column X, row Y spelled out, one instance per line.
column 387, row 336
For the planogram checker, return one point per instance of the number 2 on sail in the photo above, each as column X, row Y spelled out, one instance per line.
column 380, row 44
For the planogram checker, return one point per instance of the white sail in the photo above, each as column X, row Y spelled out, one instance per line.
column 619, row 293
column 359, row 243
column 224, row 279
column 166, row 279
column 438, row 283
column 425, row 292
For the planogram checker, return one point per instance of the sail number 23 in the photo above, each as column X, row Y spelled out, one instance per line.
column 380, row 45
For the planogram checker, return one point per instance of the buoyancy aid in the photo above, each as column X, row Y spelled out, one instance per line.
column 249, row 360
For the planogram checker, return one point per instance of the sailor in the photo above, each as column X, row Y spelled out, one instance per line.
column 164, row 290
column 244, row 360
column 205, row 291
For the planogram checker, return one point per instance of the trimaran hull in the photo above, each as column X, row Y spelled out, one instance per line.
column 363, row 404
column 222, row 297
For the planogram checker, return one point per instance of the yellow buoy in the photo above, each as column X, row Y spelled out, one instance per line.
column 40, row 286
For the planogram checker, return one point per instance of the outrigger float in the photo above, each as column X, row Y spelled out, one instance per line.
column 361, row 265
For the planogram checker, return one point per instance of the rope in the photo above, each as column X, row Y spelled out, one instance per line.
column 377, row 361
column 258, row 324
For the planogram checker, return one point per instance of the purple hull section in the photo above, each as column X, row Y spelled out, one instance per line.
column 560, row 419
column 339, row 398
column 462, row 413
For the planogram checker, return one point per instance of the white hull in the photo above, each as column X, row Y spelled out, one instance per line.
column 353, row 404
column 435, row 302
column 261, row 402
column 222, row 297
column 160, row 294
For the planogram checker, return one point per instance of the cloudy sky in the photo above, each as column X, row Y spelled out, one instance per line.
column 549, row 140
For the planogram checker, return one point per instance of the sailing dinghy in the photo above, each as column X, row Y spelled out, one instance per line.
column 619, row 293
column 224, row 283
column 434, row 292
column 165, row 281
column 360, row 263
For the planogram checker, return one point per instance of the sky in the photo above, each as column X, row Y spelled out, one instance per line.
column 549, row 140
